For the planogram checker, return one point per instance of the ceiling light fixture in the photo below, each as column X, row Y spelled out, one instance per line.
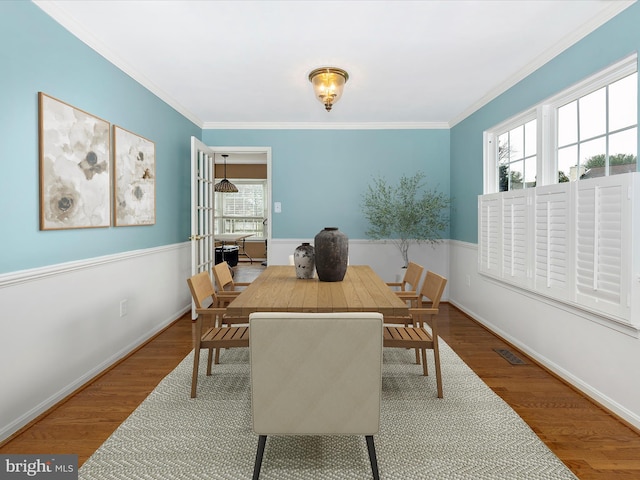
column 328, row 83
column 224, row 185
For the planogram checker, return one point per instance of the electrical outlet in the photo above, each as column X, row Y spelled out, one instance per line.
column 123, row 307
column 277, row 207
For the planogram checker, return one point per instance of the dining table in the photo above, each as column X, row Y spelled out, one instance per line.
column 278, row 290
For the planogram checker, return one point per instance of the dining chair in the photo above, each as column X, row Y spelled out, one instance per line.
column 224, row 279
column 411, row 279
column 212, row 334
column 226, row 286
column 407, row 290
column 417, row 336
column 316, row 374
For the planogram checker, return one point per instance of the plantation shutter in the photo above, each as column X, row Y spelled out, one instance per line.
column 580, row 241
column 552, row 237
column 514, row 236
column 601, row 214
column 489, row 248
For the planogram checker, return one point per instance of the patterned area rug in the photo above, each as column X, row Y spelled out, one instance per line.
column 469, row 434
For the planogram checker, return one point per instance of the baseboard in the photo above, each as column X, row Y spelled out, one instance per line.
column 612, row 408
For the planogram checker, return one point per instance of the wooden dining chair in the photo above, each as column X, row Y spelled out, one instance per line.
column 416, row 335
column 409, row 284
column 407, row 290
column 207, row 328
column 225, row 284
column 316, row 374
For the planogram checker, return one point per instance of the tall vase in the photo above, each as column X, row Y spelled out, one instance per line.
column 304, row 260
column 332, row 254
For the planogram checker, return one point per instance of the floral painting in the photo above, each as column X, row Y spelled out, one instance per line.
column 135, row 179
column 75, row 172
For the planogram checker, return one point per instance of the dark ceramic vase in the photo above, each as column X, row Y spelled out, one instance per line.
column 332, row 253
column 304, row 260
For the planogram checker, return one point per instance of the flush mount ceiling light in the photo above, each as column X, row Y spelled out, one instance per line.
column 224, row 185
column 328, row 83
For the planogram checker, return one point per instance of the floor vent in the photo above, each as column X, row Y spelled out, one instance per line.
column 509, row 356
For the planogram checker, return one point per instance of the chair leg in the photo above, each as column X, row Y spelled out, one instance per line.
column 372, row 457
column 262, row 440
column 425, row 369
column 194, row 378
column 217, row 361
column 417, row 356
column 209, row 360
column 436, row 356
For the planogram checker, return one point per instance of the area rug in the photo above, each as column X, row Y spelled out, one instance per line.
column 469, row 434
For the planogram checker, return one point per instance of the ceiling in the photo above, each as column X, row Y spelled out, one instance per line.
column 412, row 64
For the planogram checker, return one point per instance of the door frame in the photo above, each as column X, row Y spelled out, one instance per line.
column 252, row 150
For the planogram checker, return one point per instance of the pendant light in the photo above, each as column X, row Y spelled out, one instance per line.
column 224, row 185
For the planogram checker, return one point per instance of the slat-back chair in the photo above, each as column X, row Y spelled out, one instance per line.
column 213, row 334
column 409, row 284
column 416, row 336
column 227, row 290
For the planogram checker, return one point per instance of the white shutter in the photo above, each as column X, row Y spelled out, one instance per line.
column 489, row 247
column 515, row 227
column 583, row 245
column 602, row 221
column 552, row 241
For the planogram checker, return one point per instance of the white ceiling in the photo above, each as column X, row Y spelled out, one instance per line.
column 411, row 63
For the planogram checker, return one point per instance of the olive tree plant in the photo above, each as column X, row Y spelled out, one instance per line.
column 405, row 212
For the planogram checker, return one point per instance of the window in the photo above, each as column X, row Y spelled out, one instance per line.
column 589, row 130
column 242, row 212
column 597, row 133
column 517, row 158
column 556, row 218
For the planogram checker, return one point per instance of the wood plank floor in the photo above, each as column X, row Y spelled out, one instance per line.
column 591, row 442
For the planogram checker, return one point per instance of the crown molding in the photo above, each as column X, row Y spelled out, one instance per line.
column 325, row 125
column 613, row 9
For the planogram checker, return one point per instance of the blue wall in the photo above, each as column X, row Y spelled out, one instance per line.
column 613, row 41
column 37, row 54
column 319, row 176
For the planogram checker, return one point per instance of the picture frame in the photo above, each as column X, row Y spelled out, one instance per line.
column 134, row 179
column 75, row 166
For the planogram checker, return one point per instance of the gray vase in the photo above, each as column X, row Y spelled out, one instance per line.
column 332, row 254
column 304, row 261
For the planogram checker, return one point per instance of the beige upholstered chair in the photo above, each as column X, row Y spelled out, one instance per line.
column 316, row 374
column 208, row 332
column 416, row 336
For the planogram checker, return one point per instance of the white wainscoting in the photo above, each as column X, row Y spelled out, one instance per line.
column 61, row 325
column 383, row 257
column 599, row 360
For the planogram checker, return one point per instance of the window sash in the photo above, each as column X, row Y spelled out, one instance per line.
column 238, row 213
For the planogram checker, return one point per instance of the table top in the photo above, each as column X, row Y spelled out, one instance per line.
column 278, row 290
column 231, row 237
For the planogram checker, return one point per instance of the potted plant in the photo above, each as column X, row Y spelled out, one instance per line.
column 405, row 212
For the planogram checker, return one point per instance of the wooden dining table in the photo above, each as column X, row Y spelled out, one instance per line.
column 278, row 290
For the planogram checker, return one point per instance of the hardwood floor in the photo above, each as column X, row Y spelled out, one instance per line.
column 591, row 442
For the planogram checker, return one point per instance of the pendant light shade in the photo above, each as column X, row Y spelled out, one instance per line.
column 224, row 185
column 328, row 83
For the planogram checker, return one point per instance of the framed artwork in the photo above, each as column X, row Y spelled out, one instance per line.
column 135, row 179
column 75, row 167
